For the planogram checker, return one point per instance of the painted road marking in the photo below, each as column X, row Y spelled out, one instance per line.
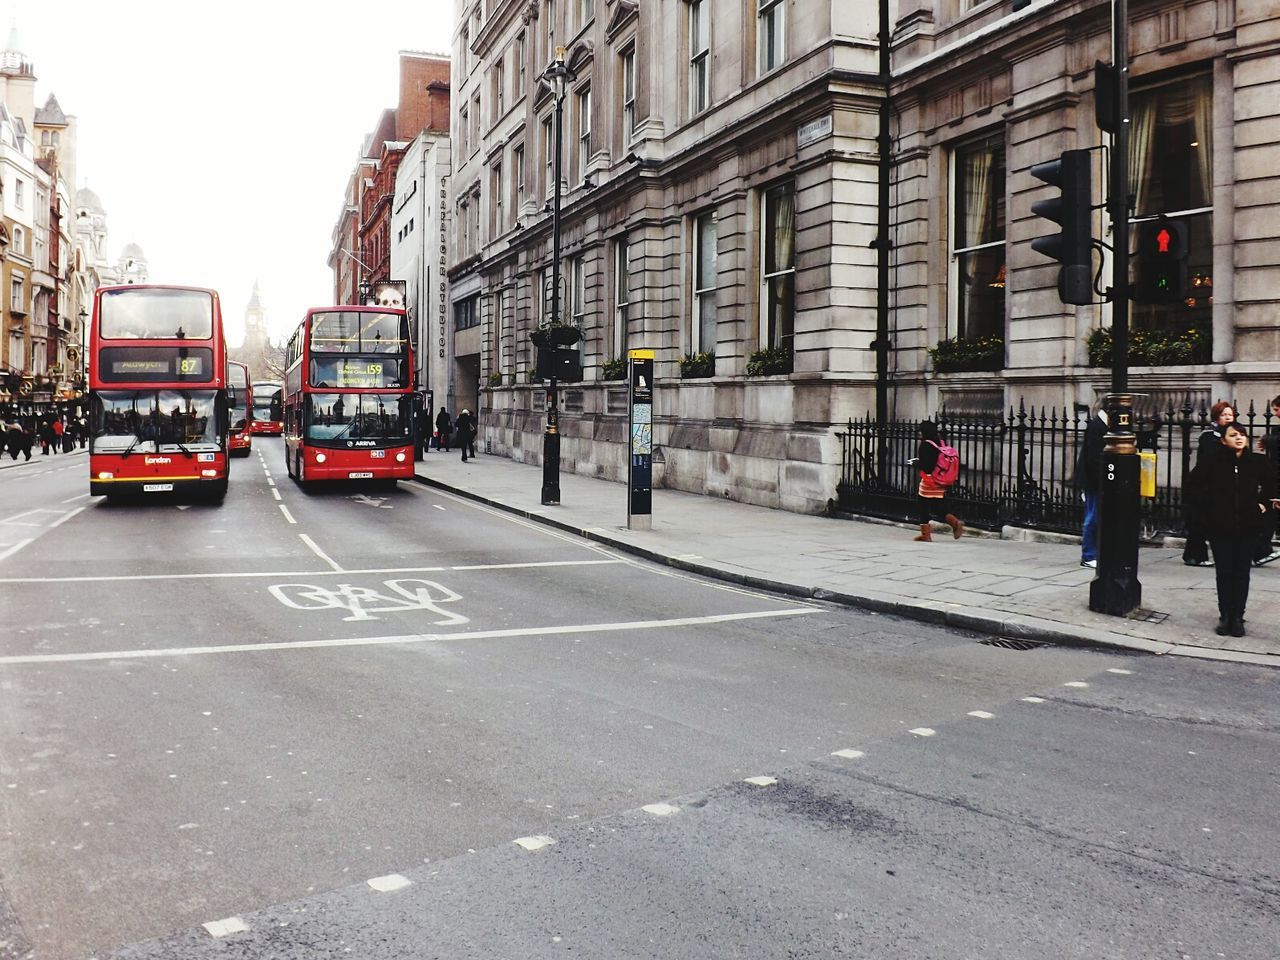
column 981, row 714
column 224, row 928
column 287, row 515
column 923, row 731
column 761, row 781
column 1075, row 683
column 390, row 883
column 270, row 482
column 536, row 842
column 849, row 754
column 65, row 517
column 10, row 551
column 362, row 602
column 437, row 506
column 660, row 809
column 81, row 496
column 314, row 573
column 276, row 493
column 406, row 639
column 318, row 552
column 1123, row 673
column 1033, row 700
column 17, row 518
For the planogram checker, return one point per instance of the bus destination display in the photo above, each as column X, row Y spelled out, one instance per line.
column 355, row 373
column 154, row 364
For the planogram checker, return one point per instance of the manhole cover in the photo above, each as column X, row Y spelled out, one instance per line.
column 1010, row 643
column 1149, row 616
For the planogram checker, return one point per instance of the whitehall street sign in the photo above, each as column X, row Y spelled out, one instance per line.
column 813, row 131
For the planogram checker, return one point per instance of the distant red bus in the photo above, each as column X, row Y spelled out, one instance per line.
column 240, row 405
column 268, row 404
column 348, row 397
column 157, row 391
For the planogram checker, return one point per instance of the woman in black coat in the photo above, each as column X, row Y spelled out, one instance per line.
column 1229, row 494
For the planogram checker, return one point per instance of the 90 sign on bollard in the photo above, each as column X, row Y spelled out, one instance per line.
column 1116, row 590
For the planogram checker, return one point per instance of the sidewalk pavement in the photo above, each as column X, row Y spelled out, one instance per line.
column 1004, row 587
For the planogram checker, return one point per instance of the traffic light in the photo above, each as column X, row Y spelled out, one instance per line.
column 558, row 357
column 1072, row 173
column 1162, row 262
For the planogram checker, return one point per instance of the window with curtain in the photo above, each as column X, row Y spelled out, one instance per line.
column 978, row 244
column 1171, row 174
column 621, row 296
column 699, row 56
column 770, row 33
column 778, row 266
column 703, row 329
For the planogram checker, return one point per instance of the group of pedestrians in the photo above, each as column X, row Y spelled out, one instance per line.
column 55, row 434
column 463, row 430
column 1229, row 501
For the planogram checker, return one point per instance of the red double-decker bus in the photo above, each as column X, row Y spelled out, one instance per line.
column 348, row 396
column 240, row 404
column 268, row 408
column 157, row 391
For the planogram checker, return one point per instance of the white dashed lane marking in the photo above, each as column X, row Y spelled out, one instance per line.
column 660, row 809
column 1033, row 699
column 923, row 731
column 981, row 714
column 849, row 754
column 390, row 883
column 1079, row 684
column 1123, row 673
column 287, row 515
column 536, row 842
column 224, row 928
column 761, row 781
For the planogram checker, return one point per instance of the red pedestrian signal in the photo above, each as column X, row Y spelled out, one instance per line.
column 1162, row 262
column 1162, row 241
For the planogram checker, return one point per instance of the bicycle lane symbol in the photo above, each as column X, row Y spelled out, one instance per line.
column 361, row 603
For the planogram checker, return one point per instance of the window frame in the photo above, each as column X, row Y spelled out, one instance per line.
column 699, row 58
column 583, row 104
column 699, row 290
column 622, row 318
column 628, row 88
column 766, row 332
column 958, row 321
column 766, row 10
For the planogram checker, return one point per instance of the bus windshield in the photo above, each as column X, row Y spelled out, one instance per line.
column 359, row 416
column 150, row 313
column 155, row 421
column 352, row 332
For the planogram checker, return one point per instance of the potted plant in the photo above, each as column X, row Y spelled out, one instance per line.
column 614, row 369
column 495, row 379
column 694, row 365
column 1151, row 348
column 968, row 354
column 769, row 361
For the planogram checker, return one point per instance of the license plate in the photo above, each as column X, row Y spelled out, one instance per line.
column 360, row 476
column 378, row 454
column 157, row 488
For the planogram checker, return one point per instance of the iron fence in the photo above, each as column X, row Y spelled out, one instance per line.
column 1020, row 470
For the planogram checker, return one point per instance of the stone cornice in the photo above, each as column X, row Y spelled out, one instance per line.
column 623, row 14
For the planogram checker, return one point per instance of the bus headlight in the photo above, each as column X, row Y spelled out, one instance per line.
column 104, row 475
column 321, row 458
column 400, row 457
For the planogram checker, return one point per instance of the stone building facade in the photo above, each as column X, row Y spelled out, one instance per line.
column 720, row 179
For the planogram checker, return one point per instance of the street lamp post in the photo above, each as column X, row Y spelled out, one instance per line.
column 558, row 75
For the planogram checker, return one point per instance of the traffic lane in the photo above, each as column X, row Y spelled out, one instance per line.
column 256, row 778
column 973, row 840
column 45, row 498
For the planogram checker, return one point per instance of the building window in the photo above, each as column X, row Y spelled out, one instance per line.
column 577, row 291
column 499, row 90
column 19, row 241
column 587, row 10
column 19, row 194
column 522, row 63
column 1171, row 174
column 978, row 254
column 628, row 95
column 549, row 155
column 475, row 121
column 464, row 126
column 778, row 266
column 699, row 56
column 466, row 312
column 771, row 33
column 517, row 163
column 584, row 132
column 464, row 228
column 550, row 14
column 702, row 333
column 16, row 289
column 621, row 296
column 499, row 223
column 465, row 57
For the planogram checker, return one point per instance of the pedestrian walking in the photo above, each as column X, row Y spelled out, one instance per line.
column 58, row 430
column 444, row 427
column 1196, row 551
column 1229, row 493
column 1089, row 479
column 83, row 431
column 938, row 468
column 1269, row 447
column 465, row 425
column 46, row 437
column 13, row 440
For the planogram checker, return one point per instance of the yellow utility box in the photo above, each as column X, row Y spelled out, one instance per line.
column 1147, row 474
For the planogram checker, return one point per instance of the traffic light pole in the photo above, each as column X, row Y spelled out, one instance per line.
column 1116, row 589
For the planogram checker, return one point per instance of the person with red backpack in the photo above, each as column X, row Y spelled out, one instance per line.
column 939, row 467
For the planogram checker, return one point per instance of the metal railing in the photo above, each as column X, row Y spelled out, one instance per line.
column 1019, row 470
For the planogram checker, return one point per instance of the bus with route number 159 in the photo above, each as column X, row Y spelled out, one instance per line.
column 348, row 395
column 157, row 391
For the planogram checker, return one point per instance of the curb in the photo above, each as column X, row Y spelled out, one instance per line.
column 957, row 616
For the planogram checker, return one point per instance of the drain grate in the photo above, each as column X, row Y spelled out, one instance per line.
column 1149, row 616
column 1012, row 643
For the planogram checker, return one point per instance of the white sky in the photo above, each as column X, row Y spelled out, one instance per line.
column 220, row 137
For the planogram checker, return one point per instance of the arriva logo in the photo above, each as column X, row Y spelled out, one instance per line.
column 157, row 460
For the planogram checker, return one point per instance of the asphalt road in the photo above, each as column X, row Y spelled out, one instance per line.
column 238, row 715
